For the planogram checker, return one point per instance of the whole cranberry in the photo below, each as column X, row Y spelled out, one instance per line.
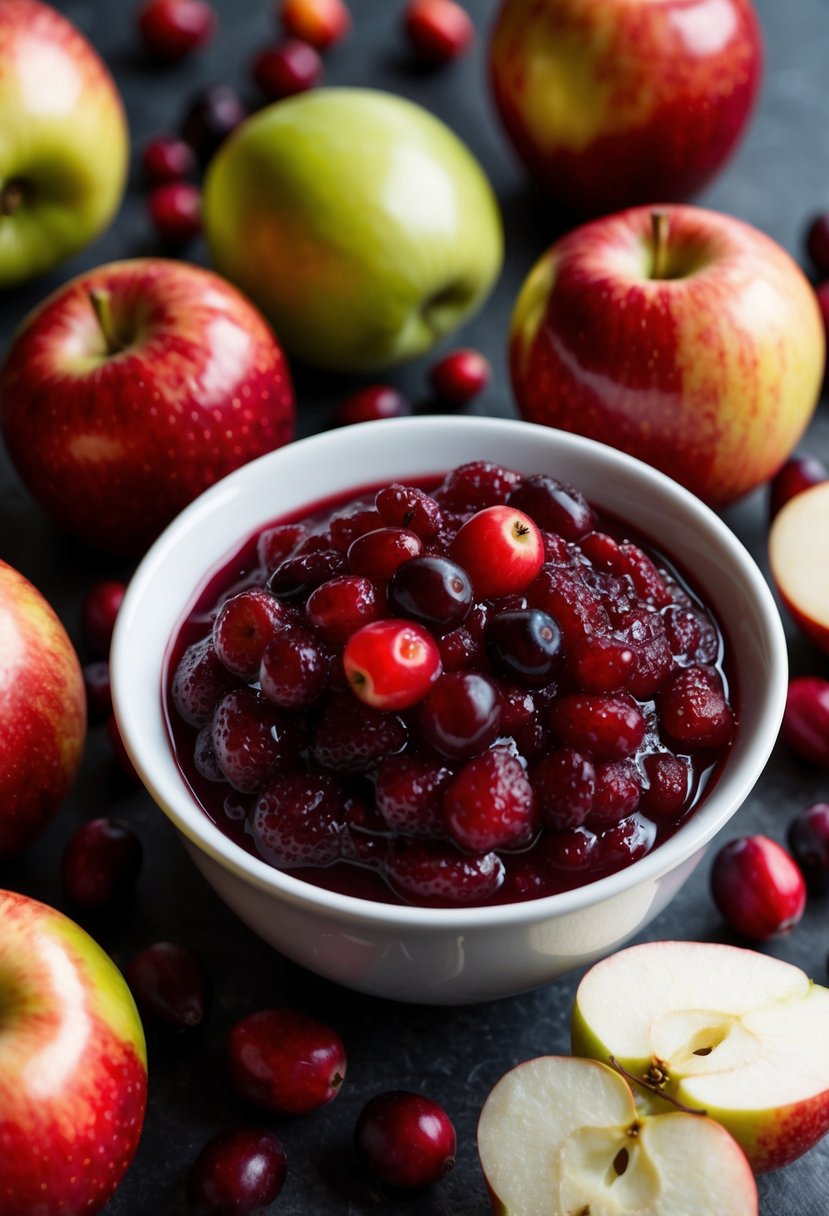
column 171, row 29
column 667, row 785
column 352, row 737
column 806, row 719
column 252, row 739
column 341, row 606
column 96, row 682
column 408, row 791
column 439, row 30
column 408, row 507
column 170, row 985
column 693, row 711
column 757, row 887
column 244, row 626
column 371, row 404
column 101, row 863
column 405, row 1139
column 167, row 159
column 377, row 554
column 322, row 23
column 556, row 507
column 282, row 71
column 524, row 645
column 199, row 683
column 286, row 1061
column 606, row 728
column 435, row 872
column 808, row 840
column 817, row 242
column 175, row 210
column 460, row 376
column 294, row 672
column 460, row 715
column 298, row 819
column 391, row 664
column 796, row 475
column 212, row 116
column 490, row 804
column 237, row 1173
column 99, row 609
column 433, row 590
column 564, row 782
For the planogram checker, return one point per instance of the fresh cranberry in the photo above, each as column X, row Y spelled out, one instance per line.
column 379, row 553
column 501, row 550
column 817, row 242
column 601, row 664
column 564, row 782
column 608, row 728
column 352, row 737
column 322, row 23
column 616, row 795
column 298, row 576
column 237, row 1173
column 460, row 376
column 490, row 804
column 667, row 785
column 101, row 863
column 391, row 664
column 432, row 590
column 172, row 29
column 408, row 507
column 294, row 669
column 244, row 626
column 806, row 719
column 200, row 682
column 282, row 71
column 212, row 116
column 286, row 1061
column 175, row 210
column 757, row 887
column 554, row 506
column 274, row 544
column 170, row 985
column 470, row 487
column 204, row 756
column 167, row 159
column 96, row 683
column 409, row 794
column 343, row 605
column 371, row 404
column 808, row 840
column 461, row 715
column 796, row 475
column 297, row 820
column 99, row 610
column 431, row 871
column 524, row 645
column 438, row 30
column 119, row 752
column 693, row 711
column 252, row 739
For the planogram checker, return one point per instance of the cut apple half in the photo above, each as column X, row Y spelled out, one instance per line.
column 799, row 561
column 730, row 1032
column 559, row 1136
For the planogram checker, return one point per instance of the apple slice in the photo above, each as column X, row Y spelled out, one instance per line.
column 562, row 1137
column 731, row 1032
column 799, row 560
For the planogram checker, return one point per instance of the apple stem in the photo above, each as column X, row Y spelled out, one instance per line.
column 654, row 1087
column 101, row 302
column 11, row 196
column 660, row 226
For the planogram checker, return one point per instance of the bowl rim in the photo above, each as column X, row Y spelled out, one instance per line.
column 199, row 829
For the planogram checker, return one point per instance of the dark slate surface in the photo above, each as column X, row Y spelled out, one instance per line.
column 455, row 1055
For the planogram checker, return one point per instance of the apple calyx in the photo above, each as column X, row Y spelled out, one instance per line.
column 660, row 228
column 101, row 301
column 655, row 1079
column 11, row 196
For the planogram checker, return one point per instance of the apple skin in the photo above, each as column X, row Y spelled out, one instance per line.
column 114, row 445
column 73, row 1066
column 710, row 372
column 58, row 103
column 611, row 103
column 359, row 223
column 42, row 711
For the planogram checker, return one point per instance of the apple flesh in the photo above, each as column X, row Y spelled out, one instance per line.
column 359, row 223
column 134, row 388
column 42, row 710
column 798, row 552
column 563, row 1136
column 73, row 1067
column 735, row 1033
column 64, row 155
column 682, row 336
column 620, row 102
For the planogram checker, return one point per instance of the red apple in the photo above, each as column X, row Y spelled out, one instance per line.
column 680, row 335
column 42, row 711
column 798, row 552
column 501, row 550
column 616, row 102
column 73, row 1066
column 133, row 389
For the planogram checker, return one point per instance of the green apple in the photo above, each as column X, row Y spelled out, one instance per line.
column 563, row 1137
column 64, row 147
column 733, row 1032
column 358, row 222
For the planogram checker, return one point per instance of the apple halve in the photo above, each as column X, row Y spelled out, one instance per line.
column 799, row 560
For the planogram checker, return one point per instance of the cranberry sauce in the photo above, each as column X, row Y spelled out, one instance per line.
column 469, row 691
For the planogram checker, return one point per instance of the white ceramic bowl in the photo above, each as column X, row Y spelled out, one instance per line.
column 424, row 954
